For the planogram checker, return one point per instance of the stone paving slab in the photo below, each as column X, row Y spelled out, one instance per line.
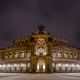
column 28, row 76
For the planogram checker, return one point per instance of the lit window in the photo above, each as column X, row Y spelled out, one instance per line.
column 23, row 65
column 72, row 65
column 15, row 65
column 59, row 54
column 70, row 55
column 65, row 55
column 77, row 65
column 66, row 65
column 58, row 66
column 28, row 55
column 8, row 65
column 53, row 64
column 0, row 66
column 22, row 55
column 10, row 56
column 4, row 65
column 28, row 65
column 54, row 54
column 16, row 55
column 6, row 56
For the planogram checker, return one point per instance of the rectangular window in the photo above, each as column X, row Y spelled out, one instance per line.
column 75, row 56
column 59, row 55
column 54, row 54
column 16, row 55
column 6, row 56
column 65, row 55
column 22, row 55
column 10, row 56
column 70, row 55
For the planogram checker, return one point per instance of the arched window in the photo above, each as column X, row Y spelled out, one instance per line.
column 28, row 54
column 16, row 55
column 6, row 56
column 10, row 55
column 53, row 64
column 59, row 54
column 23, row 66
column 28, row 65
column 66, row 55
column 22, row 54
column 58, row 67
column 70, row 55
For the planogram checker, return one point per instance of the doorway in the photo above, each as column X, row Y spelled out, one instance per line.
column 41, row 67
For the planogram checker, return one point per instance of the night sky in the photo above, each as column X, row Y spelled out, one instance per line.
column 21, row 17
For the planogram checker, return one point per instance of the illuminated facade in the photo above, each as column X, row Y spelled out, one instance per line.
column 40, row 52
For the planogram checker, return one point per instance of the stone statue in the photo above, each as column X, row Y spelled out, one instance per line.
column 41, row 29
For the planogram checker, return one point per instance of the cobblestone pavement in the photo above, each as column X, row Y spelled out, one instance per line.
column 30, row 76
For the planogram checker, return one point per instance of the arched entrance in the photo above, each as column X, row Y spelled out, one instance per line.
column 41, row 67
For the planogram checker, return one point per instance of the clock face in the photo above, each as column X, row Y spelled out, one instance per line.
column 41, row 41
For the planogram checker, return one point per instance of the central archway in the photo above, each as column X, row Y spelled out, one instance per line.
column 41, row 66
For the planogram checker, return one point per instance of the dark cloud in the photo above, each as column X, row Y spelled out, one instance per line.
column 20, row 17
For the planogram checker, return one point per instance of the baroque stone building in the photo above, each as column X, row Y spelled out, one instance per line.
column 40, row 52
